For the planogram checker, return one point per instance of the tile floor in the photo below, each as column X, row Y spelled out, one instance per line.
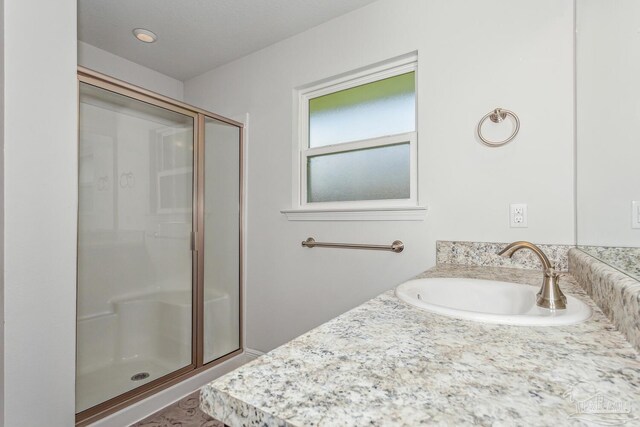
column 183, row 413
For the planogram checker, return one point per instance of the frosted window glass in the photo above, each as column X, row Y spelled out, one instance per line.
column 370, row 174
column 381, row 108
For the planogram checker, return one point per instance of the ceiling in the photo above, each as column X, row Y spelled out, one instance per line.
column 195, row 36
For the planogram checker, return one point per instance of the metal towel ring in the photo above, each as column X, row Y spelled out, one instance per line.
column 497, row 116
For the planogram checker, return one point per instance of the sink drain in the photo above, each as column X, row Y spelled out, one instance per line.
column 140, row 376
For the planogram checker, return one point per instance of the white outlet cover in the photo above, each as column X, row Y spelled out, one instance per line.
column 635, row 214
column 518, row 215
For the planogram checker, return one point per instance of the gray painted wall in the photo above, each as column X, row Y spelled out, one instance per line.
column 466, row 186
column 40, row 204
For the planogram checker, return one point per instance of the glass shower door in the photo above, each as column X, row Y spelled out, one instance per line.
column 135, row 224
column 222, row 149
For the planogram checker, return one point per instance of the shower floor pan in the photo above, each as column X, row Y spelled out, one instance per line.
column 113, row 380
column 148, row 333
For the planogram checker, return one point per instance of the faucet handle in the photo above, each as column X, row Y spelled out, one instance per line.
column 552, row 272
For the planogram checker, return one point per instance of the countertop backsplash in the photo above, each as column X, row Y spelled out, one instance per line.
column 617, row 294
column 485, row 254
column 626, row 260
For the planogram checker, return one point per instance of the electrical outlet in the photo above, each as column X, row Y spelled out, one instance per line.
column 518, row 215
column 635, row 214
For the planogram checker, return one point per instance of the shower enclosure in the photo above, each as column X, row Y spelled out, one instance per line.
column 159, row 243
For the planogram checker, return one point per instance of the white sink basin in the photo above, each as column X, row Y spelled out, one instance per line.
column 488, row 301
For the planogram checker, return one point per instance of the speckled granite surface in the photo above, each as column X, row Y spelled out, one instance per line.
column 626, row 260
column 485, row 254
column 387, row 363
column 617, row 294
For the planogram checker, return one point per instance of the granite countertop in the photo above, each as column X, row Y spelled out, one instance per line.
column 388, row 363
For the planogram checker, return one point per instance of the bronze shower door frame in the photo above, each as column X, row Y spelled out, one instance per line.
column 197, row 365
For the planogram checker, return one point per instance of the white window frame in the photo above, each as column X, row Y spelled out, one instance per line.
column 404, row 65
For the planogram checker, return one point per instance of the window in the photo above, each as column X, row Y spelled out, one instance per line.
column 358, row 140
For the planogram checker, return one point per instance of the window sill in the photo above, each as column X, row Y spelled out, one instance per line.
column 409, row 213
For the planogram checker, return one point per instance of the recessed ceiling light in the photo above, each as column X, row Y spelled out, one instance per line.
column 145, row 35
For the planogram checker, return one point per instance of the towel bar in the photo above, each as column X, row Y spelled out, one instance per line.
column 397, row 246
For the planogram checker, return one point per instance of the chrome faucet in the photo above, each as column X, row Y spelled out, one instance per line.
column 550, row 296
